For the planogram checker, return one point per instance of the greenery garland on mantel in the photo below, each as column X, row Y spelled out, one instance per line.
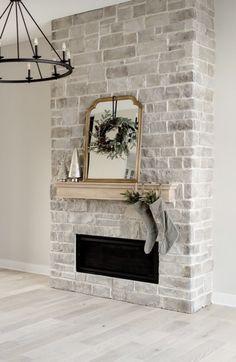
column 132, row 196
column 121, row 144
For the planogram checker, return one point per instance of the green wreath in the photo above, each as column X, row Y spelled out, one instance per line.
column 121, row 144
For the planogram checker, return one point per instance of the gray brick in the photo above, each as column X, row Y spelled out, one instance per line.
column 142, row 68
column 101, row 291
column 99, row 279
column 152, row 94
column 154, row 80
column 60, row 34
column 134, row 25
column 110, row 11
column 97, row 87
column 130, row 38
column 62, row 23
column 87, row 58
column 77, row 88
column 117, row 27
column 125, row 285
column 92, row 28
column 117, row 85
column 125, row 13
column 62, row 284
column 111, row 41
column 182, row 37
column 183, row 125
column 96, row 72
column 139, row 10
column 173, row 55
column 119, row 53
column 170, row 67
column 137, row 298
column 77, row 45
column 117, row 72
column 157, row 20
column 179, row 4
column 156, row 6
column 87, row 17
column 76, row 31
column 152, row 47
column 61, row 132
column 184, row 77
column 84, row 288
column 91, row 44
column 136, row 82
column 146, row 35
column 182, row 15
column 161, row 140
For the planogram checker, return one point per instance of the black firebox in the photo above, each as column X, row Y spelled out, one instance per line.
column 116, row 257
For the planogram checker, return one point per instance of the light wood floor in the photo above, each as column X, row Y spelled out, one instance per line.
column 41, row 324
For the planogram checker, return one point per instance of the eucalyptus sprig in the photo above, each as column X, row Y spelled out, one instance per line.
column 150, row 197
column 131, row 197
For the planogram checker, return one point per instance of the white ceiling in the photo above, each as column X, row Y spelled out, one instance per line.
column 46, row 10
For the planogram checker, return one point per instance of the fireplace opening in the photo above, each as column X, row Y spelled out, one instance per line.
column 116, row 257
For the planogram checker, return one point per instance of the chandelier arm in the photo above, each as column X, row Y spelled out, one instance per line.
column 5, row 24
column 69, row 70
column 17, row 32
column 30, row 41
column 5, row 10
column 41, row 31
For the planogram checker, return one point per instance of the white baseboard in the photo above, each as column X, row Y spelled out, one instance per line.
column 228, row 300
column 24, row 267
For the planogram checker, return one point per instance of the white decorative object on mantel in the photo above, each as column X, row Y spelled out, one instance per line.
column 74, row 173
column 62, row 175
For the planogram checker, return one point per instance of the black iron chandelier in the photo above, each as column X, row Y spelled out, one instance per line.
column 60, row 64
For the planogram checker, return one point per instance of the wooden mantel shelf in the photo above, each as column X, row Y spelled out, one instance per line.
column 109, row 191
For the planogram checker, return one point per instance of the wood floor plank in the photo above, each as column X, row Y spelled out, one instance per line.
column 47, row 325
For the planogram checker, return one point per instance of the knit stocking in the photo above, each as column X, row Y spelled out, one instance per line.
column 143, row 209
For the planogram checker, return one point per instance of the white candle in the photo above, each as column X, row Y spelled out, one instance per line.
column 28, row 66
column 68, row 55
column 64, row 47
column 36, row 42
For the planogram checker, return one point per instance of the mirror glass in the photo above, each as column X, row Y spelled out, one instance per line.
column 113, row 140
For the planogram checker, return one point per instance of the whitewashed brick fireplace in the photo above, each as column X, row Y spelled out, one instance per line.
column 162, row 52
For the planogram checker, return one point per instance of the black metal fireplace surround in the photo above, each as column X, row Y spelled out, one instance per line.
column 116, row 257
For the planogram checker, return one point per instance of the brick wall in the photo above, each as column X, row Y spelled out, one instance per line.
column 162, row 52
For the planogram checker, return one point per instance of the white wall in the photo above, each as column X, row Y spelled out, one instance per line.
column 225, row 149
column 25, row 175
column 25, row 164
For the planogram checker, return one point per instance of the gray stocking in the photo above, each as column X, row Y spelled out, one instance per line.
column 168, row 232
column 143, row 209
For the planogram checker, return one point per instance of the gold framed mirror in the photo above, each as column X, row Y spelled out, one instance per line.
column 113, row 140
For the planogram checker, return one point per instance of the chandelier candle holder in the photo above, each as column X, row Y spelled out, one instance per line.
column 29, row 78
column 61, row 62
column 36, row 43
column 64, row 52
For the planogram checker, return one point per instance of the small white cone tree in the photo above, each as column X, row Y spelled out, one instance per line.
column 63, row 172
column 74, row 173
